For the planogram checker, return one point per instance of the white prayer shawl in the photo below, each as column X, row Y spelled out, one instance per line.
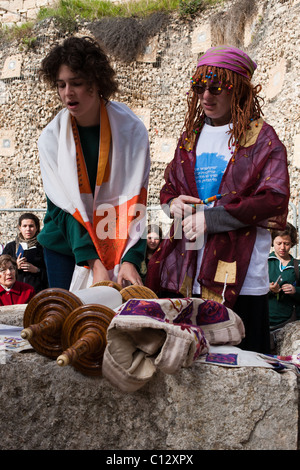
column 126, row 187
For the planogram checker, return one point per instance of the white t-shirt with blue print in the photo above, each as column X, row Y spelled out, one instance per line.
column 212, row 156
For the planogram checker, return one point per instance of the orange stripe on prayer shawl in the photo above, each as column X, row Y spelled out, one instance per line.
column 111, row 243
column 78, row 217
column 105, row 141
column 112, row 228
column 91, row 232
column 103, row 169
column 83, row 179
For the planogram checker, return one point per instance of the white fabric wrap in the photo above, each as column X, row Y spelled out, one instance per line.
column 129, row 165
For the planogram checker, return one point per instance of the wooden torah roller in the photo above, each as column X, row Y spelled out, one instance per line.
column 113, row 284
column 44, row 317
column 137, row 292
column 84, row 338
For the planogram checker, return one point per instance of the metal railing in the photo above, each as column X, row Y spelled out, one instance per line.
column 153, row 216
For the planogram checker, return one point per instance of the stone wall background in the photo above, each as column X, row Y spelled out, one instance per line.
column 203, row 407
column 154, row 85
column 16, row 12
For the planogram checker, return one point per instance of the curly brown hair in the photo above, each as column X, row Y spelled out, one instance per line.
column 84, row 56
column 245, row 105
column 289, row 230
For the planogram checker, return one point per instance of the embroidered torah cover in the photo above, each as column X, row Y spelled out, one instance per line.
column 165, row 334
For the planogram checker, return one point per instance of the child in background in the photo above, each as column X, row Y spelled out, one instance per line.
column 284, row 296
column 154, row 238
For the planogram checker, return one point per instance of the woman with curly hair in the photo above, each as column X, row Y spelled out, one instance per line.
column 95, row 165
column 226, row 186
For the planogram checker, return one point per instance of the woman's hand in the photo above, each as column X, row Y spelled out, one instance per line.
column 100, row 273
column 288, row 289
column 274, row 287
column 20, row 260
column 181, row 206
column 23, row 264
column 194, row 228
column 128, row 273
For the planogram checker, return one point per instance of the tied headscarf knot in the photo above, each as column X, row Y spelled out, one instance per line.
column 229, row 57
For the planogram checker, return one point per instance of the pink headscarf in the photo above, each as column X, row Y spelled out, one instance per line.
column 229, row 57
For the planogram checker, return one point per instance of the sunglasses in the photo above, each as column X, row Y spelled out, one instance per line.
column 213, row 89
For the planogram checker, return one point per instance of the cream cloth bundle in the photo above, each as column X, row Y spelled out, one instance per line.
column 164, row 334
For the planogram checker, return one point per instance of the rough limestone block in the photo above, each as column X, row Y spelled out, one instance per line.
column 163, row 149
column 42, row 3
column 32, row 13
column 289, row 339
column 28, row 4
column 12, row 314
column 45, row 407
column 6, row 198
column 296, row 157
column 205, row 407
column 12, row 67
column 277, row 75
column 201, row 39
column 5, row 4
column 18, row 4
column 7, row 142
column 150, row 52
column 3, row 93
column 251, row 25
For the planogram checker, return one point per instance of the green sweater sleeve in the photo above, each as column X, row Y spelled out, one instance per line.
column 64, row 234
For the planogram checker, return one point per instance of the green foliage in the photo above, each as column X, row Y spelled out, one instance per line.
column 70, row 10
column 190, row 7
column 21, row 33
column 67, row 14
column 29, row 42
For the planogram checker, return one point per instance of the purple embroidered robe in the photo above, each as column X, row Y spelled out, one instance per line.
column 256, row 184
